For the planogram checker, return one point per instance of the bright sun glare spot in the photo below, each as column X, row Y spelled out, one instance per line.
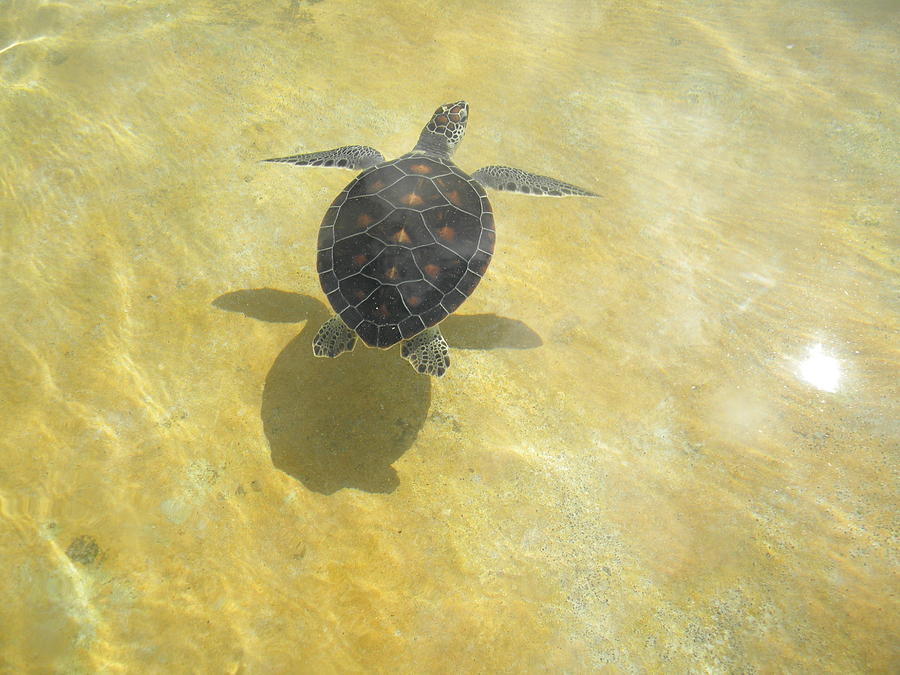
column 820, row 370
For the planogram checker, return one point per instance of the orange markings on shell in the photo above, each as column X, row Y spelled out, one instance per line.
column 432, row 270
column 453, row 196
column 411, row 199
column 359, row 259
column 401, row 237
column 420, row 168
column 447, row 233
column 392, row 273
column 364, row 220
column 413, row 300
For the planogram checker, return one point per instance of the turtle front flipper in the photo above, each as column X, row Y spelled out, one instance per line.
column 515, row 180
column 428, row 352
column 333, row 339
column 349, row 157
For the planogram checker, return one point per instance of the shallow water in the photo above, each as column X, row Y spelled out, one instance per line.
column 668, row 438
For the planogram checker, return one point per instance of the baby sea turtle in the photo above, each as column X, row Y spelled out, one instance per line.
column 407, row 241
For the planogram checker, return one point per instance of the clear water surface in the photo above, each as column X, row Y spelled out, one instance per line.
column 668, row 439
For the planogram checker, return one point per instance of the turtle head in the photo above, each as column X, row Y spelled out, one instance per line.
column 445, row 129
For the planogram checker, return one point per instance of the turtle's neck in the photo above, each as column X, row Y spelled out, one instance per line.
column 431, row 143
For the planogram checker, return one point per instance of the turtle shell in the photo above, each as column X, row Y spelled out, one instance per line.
column 402, row 246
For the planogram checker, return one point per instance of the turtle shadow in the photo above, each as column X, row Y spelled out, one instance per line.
column 342, row 423
column 488, row 331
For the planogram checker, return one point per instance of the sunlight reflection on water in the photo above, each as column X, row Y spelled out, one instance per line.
column 820, row 370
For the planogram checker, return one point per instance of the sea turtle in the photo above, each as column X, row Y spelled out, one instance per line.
column 407, row 241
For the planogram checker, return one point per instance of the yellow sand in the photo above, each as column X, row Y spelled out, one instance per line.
column 632, row 464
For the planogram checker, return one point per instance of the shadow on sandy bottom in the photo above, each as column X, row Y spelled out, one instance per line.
column 342, row 423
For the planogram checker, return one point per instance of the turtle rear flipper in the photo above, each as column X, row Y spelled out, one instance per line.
column 349, row 157
column 515, row 180
column 428, row 352
column 333, row 339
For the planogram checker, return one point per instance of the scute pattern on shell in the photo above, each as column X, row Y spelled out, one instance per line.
column 402, row 246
